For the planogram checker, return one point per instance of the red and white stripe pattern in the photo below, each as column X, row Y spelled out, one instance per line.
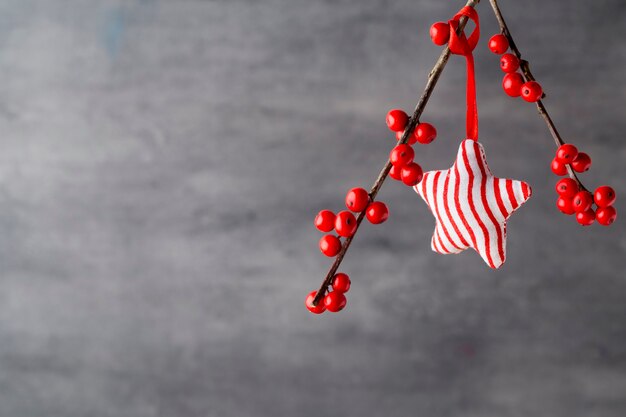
column 471, row 206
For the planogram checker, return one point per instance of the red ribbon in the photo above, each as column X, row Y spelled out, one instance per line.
column 462, row 45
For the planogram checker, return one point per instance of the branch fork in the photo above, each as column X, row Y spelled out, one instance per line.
column 433, row 77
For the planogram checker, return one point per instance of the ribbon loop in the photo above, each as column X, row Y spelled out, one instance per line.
column 462, row 45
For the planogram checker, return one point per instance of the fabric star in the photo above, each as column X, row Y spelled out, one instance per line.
column 471, row 206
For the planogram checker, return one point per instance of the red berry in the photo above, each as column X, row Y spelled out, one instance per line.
column 567, row 187
column 498, row 44
column 582, row 201
column 330, row 245
column 357, row 199
column 395, row 173
column 401, row 155
column 565, row 205
column 440, row 33
column 581, row 163
column 308, row 302
column 397, row 120
column 586, row 218
column 377, row 212
column 341, row 283
column 532, row 91
column 558, row 168
column 509, row 63
column 604, row 196
column 325, row 221
column 566, row 153
column 512, row 84
column 411, row 174
column 606, row 215
column 412, row 139
column 425, row 133
column 345, row 224
column 335, row 301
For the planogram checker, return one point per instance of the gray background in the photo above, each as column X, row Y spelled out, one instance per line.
column 160, row 166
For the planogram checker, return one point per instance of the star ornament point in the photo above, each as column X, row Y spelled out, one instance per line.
column 471, row 205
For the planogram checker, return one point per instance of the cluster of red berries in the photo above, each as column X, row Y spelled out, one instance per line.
column 513, row 82
column 344, row 224
column 358, row 200
column 401, row 157
column 568, row 154
column 333, row 301
column 573, row 200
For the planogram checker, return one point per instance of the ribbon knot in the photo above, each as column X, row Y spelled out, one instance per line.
column 462, row 45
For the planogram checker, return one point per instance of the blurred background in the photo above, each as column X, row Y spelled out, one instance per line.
column 161, row 163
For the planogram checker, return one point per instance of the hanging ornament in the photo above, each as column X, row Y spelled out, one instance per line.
column 471, row 206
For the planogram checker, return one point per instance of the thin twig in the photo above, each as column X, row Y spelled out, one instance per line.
column 528, row 76
column 433, row 77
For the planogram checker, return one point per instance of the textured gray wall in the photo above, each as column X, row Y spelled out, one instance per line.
column 161, row 163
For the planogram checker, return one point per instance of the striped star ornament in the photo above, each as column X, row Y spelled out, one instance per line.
column 471, row 206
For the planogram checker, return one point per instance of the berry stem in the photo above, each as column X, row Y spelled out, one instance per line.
column 433, row 77
column 528, row 76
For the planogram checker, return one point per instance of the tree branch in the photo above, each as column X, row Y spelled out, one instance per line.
column 433, row 77
column 528, row 76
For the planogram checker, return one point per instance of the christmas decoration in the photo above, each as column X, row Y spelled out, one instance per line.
column 470, row 205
